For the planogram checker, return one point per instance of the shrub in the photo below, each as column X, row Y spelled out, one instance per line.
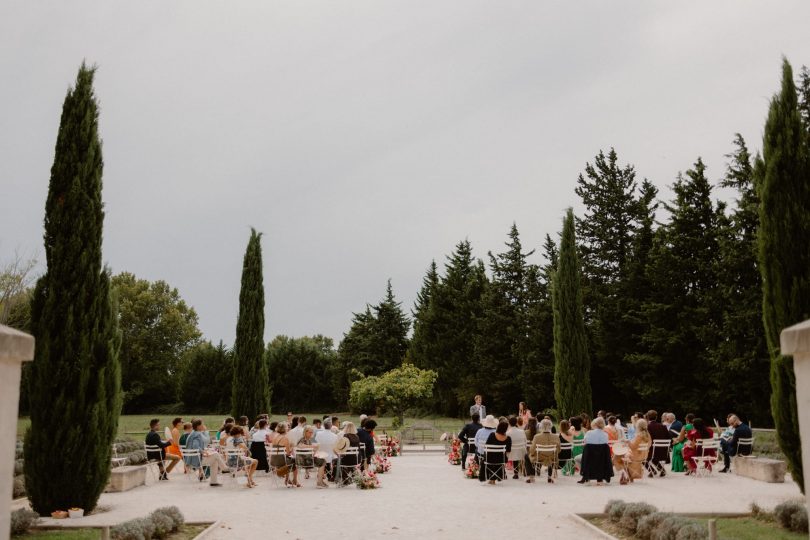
column 18, row 488
column 18, row 466
column 784, row 512
column 174, row 514
column 163, row 524
column 22, row 520
column 648, row 524
column 610, row 504
column 148, row 527
column 798, row 523
column 668, row 528
column 129, row 530
column 616, row 510
column 692, row 531
column 632, row 513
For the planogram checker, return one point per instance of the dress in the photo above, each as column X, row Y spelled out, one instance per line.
column 174, row 448
column 498, row 470
column 691, row 450
column 678, row 464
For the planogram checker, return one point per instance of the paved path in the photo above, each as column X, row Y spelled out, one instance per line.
column 424, row 497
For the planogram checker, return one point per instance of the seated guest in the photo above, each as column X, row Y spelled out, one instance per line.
column 518, row 452
column 272, row 433
column 596, row 463
column 327, row 439
column 297, row 432
column 611, row 429
column 199, row 439
column 244, row 423
column 160, row 455
column 317, row 461
column 495, row 468
column 566, row 456
column 577, row 433
column 487, row 428
column 225, row 424
column 678, row 443
column 289, row 421
column 550, row 419
column 174, row 447
column 658, row 431
column 279, row 461
column 729, row 446
column 335, row 424
column 237, row 442
column 316, row 425
column 186, row 433
column 225, row 434
column 543, row 438
column 467, row 435
column 258, row 439
column 674, row 425
column 699, row 431
column 639, row 448
column 349, row 439
column 586, row 421
column 366, row 436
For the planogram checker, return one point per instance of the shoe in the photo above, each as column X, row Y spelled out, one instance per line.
column 515, row 477
column 550, row 480
column 164, row 476
column 723, row 470
column 215, row 484
column 583, row 481
column 662, row 473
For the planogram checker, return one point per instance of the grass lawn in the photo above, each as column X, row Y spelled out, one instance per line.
column 186, row 532
column 744, row 528
column 135, row 426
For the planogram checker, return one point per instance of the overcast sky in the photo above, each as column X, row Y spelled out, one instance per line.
column 365, row 138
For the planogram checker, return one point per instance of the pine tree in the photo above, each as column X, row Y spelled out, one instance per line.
column 354, row 354
column 572, row 366
column 75, row 380
column 804, row 97
column 389, row 335
column 784, row 213
column 250, row 392
column 423, row 327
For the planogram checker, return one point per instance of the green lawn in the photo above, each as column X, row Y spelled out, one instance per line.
column 186, row 532
column 744, row 528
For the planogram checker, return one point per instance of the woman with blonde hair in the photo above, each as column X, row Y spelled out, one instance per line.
column 639, row 448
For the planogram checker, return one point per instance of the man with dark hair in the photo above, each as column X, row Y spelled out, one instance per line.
column 467, row 436
column 658, row 431
column 159, row 454
column 297, row 433
column 365, row 434
column 199, row 440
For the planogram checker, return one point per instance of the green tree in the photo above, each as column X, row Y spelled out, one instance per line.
column 354, row 354
column 205, row 370
column 157, row 329
column 394, row 392
column 389, row 334
column 75, row 383
column 572, row 366
column 302, row 363
column 784, row 260
column 251, row 392
column 16, row 278
column 419, row 350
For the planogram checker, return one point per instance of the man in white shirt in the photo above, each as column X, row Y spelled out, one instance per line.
column 297, row 433
column 327, row 440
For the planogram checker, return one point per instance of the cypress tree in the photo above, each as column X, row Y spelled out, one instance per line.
column 75, row 380
column 572, row 366
column 251, row 392
column 784, row 213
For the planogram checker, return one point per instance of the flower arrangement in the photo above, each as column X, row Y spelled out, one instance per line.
column 381, row 464
column 392, row 447
column 454, row 457
column 472, row 469
column 366, row 480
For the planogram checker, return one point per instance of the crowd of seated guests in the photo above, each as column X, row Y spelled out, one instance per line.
column 237, row 445
column 598, row 449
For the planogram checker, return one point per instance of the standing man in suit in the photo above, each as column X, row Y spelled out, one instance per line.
column 478, row 408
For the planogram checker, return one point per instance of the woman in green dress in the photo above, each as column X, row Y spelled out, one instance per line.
column 677, row 455
column 577, row 437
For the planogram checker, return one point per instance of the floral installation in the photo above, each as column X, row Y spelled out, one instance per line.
column 381, row 463
column 392, row 447
column 454, row 457
column 366, row 480
column 472, row 468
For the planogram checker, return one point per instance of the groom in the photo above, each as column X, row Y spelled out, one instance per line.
column 479, row 408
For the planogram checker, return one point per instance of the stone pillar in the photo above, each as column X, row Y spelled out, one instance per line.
column 15, row 348
column 795, row 341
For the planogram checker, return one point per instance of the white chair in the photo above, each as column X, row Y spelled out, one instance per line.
column 348, row 465
column 745, row 447
column 155, row 449
column 495, row 461
column 643, row 450
column 193, row 456
column 304, row 459
column 116, row 460
column 235, row 460
column 566, row 448
column 659, row 450
column 276, row 454
column 705, row 461
column 547, row 449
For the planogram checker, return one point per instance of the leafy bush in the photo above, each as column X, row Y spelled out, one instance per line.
column 785, row 514
column 648, row 524
column 173, row 513
column 157, row 525
column 615, row 510
column 692, row 531
column 18, row 488
column 128, row 530
column 163, row 524
column 632, row 513
column 798, row 523
column 668, row 527
column 610, row 504
column 22, row 520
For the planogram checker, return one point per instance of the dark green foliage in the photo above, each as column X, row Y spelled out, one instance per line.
column 740, row 360
column 251, row 393
column 572, row 366
column 784, row 260
column 205, row 372
column 792, row 515
column 157, row 328
column 75, row 379
column 302, row 373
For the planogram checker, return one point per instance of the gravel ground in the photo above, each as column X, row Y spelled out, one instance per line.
column 424, row 497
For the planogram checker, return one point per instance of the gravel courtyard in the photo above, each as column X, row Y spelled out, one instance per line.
column 424, row 497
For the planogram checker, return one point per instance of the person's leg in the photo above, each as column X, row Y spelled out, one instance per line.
column 173, row 461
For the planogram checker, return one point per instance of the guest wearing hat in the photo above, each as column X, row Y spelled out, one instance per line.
column 487, row 428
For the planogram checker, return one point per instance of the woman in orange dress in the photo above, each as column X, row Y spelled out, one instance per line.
column 174, row 448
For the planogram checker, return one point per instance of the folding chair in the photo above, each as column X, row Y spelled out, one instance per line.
column 644, row 450
column 491, row 452
column 115, row 460
column 304, row 459
column 567, row 464
column 659, row 452
column 705, row 462
column 193, row 456
column 745, row 447
column 348, row 465
column 362, row 454
column 276, row 454
column 548, row 449
column 235, row 460
column 155, row 449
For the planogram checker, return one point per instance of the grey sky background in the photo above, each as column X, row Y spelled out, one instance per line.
column 365, row 138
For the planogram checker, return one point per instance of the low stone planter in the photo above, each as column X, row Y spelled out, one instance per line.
column 126, row 478
column 764, row 469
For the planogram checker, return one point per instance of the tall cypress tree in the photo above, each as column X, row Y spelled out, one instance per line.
column 572, row 366
column 75, row 380
column 251, row 392
column 784, row 260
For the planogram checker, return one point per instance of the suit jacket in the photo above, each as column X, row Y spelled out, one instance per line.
column 468, row 432
column 659, row 431
column 676, row 426
column 153, row 438
column 481, row 410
